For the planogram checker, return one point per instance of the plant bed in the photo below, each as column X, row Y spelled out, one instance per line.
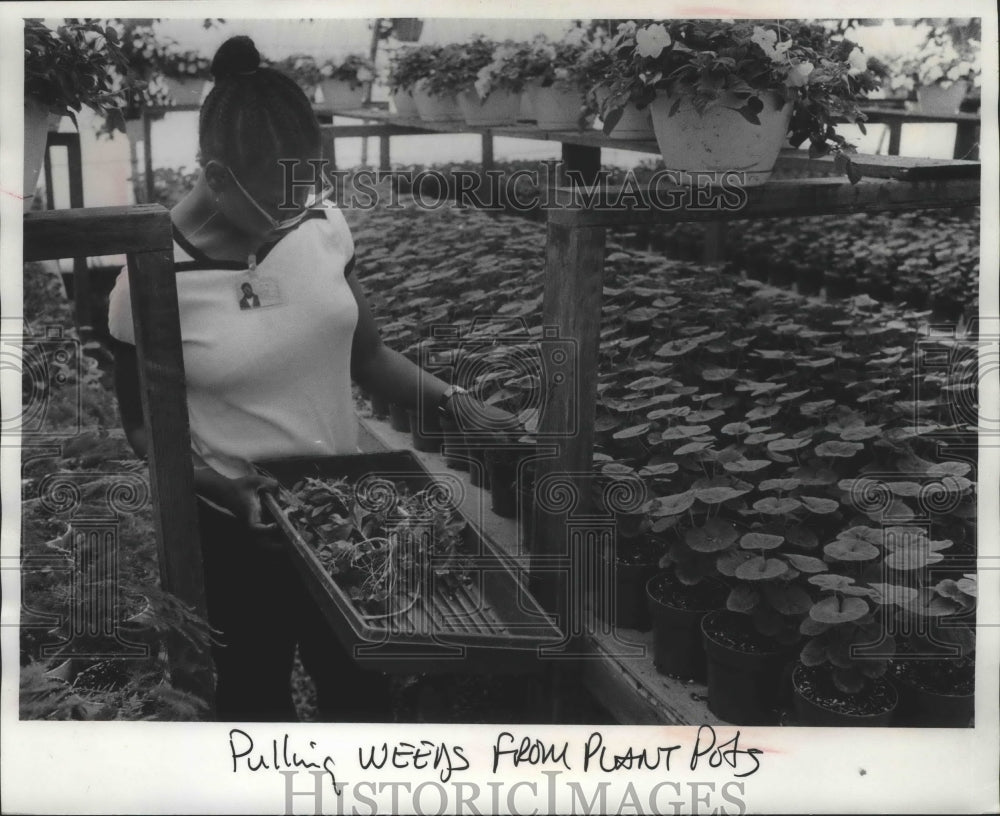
column 455, row 605
column 675, row 611
column 744, row 669
column 818, row 702
column 935, row 692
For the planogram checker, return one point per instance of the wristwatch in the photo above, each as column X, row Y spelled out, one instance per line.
column 449, row 392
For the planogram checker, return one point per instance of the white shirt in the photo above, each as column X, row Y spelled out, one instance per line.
column 265, row 382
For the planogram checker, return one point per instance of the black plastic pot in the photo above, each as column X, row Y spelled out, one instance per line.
column 399, row 418
column 743, row 686
column 675, row 618
column 503, row 465
column 922, row 707
column 812, row 710
column 456, row 455
column 425, row 431
column 631, row 576
column 526, row 513
column 380, row 407
column 478, row 474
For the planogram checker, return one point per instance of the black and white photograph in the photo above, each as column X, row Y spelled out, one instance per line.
column 504, row 410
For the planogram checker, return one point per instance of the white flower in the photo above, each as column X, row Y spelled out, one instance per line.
column 364, row 74
column 326, row 70
column 575, row 36
column 768, row 42
column 799, row 75
column 626, row 29
column 650, row 41
column 858, row 62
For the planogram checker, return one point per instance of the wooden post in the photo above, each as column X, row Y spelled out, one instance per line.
column 328, row 140
column 895, row 135
column 574, row 264
column 967, row 140
column 584, row 158
column 147, row 151
column 144, row 234
column 384, row 158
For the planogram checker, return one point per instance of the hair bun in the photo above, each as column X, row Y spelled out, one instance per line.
column 237, row 55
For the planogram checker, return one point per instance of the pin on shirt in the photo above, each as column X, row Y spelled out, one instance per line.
column 256, row 291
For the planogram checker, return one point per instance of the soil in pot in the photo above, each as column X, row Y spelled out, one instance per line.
column 635, row 563
column 425, row 430
column 675, row 612
column 744, row 669
column 818, row 702
column 935, row 693
column 399, row 418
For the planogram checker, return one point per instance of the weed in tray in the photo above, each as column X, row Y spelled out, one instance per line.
column 384, row 553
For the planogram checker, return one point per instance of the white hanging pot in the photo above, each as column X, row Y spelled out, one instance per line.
column 557, row 108
column 634, row 124
column 939, row 100
column 37, row 124
column 186, row 90
column 339, row 95
column 435, row 108
column 403, row 103
column 527, row 111
column 499, row 108
column 720, row 140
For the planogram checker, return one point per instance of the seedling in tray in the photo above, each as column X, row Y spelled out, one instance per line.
column 384, row 545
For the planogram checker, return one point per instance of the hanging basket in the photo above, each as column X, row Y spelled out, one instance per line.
column 720, row 140
column 37, row 124
column 338, row 94
column 435, row 108
column 499, row 108
column 403, row 103
column 407, row 29
column 555, row 108
column 186, row 90
column 941, row 101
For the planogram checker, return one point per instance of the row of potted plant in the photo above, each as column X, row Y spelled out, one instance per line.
column 716, row 95
column 792, row 453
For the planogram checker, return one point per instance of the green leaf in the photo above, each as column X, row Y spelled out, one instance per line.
column 746, row 465
column 886, row 594
column 760, row 541
column 784, row 485
column 801, row 536
column 761, row 569
column 692, row 447
column 727, row 563
column 781, row 445
column 818, row 505
column 850, row 549
column 742, row 598
column 632, row 432
column 837, row 448
column 713, row 536
column 717, row 495
column 813, row 653
column 806, row 563
column 672, row 505
column 838, row 610
column 787, row 598
column 773, row 506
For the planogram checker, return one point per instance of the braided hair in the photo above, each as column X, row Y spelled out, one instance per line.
column 254, row 114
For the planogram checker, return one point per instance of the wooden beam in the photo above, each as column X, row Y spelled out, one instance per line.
column 788, row 198
column 93, row 231
column 574, row 264
column 903, row 168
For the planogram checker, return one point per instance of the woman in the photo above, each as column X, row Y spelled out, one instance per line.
column 269, row 381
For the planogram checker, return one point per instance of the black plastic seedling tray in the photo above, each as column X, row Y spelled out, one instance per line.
column 491, row 625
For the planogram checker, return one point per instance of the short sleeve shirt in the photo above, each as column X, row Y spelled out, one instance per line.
column 265, row 382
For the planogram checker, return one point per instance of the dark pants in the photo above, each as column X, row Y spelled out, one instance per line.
column 257, row 601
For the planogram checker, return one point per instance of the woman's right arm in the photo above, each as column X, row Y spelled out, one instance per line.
column 239, row 496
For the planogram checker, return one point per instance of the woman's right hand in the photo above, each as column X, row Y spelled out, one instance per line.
column 245, row 502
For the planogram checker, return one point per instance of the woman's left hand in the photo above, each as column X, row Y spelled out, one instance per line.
column 484, row 423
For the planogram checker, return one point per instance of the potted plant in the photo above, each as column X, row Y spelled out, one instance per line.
column 343, row 82
column 557, row 81
column 406, row 29
column 497, row 91
column 434, row 93
column 935, row 669
column 406, row 67
column 725, row 95
column 607, row 72
column 65, row 70
column 304, row 69
column 186, row 74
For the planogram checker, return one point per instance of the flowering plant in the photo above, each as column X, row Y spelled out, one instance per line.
column 354, row 68
column 513, row 64
column 408, row 66
column 565, row 64
column 80, row 63
column 712, row 61
column 185, row 65
column 458, row 65
column 303, row 68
